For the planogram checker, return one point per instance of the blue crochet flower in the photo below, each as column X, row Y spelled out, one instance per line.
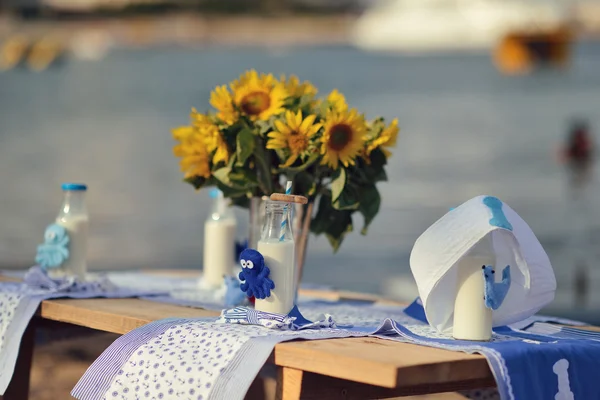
column 255, row 275
column 54, row 251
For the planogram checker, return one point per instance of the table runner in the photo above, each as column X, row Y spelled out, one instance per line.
column 20, row 300
column 540, row 361
column 200, row 359
column 184, row 291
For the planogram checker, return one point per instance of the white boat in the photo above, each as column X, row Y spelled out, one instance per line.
column 440, row 25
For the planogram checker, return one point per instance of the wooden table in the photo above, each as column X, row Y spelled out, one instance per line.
column 352, row 368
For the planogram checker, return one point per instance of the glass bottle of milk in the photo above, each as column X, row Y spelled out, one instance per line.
column 472, row 319
column 219, row 242
column 279, row 257
column 73, row 216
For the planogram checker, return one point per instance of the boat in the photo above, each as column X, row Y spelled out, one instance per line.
column 449, row 25
column 45, row 53
column 13, row 52
column 521, row 52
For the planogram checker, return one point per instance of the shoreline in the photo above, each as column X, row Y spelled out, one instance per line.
column 189, row 30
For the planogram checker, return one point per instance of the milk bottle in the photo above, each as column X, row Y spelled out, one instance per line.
column 73, row 216
column 472, row 319
column 219, row 242
column 277, row 247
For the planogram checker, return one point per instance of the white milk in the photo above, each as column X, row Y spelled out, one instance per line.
column 280, row 258
column 77, row 229
column 219, row 250
column 472, row 319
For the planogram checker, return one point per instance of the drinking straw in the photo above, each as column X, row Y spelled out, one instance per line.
column 288, row 190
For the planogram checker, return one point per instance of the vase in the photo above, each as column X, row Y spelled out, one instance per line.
column 300, row 228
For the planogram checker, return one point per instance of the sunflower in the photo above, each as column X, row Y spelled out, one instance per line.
column 183, row 133
column 387, row 138
column 343, row 137
column 192, row 151
column 297, row 89
column 221, row 100
column 212, row 136
column 258, row 97
column 337, row 101
column 293, row 134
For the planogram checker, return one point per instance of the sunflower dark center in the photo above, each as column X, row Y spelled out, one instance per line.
column 297, row 142
column 339, row 137
column 255, row 103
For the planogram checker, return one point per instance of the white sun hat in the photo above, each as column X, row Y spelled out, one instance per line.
column 438, row 250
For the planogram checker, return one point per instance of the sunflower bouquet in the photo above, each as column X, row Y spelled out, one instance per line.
column 264, row 131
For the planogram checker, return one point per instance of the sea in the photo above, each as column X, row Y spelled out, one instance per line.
column 466, row 130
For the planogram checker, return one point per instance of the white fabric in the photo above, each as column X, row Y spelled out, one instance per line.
column 439, row 249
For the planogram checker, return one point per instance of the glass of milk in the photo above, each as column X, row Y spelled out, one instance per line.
column 472, row 319
column 219, row 242
column 73, row 216
column 279, row 257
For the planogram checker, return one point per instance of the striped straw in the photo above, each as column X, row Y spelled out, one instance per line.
column 288, row 190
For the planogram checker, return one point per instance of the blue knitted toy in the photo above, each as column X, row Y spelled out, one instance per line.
column 495, row 292
column 255, row 275
column 55, row 249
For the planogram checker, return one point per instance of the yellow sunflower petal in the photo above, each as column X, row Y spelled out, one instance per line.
column 290, row 160
column 281, row 127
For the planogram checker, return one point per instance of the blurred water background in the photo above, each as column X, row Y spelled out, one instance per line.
column 465, row 130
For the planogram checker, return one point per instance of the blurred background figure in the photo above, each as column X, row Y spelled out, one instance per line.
column 578, row 155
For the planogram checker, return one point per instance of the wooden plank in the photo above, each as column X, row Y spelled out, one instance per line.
column 294, row 384
column 381, row 362
column 289, row 383
column 115, row 315
column 18, row 389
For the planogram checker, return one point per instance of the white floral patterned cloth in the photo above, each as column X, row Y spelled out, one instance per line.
column 20, row 300
column 204, row 359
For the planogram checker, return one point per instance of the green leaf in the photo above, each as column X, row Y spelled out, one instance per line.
column 333, row 223
column 196, row 181
column 304, row 184
column 263, row 127
column 263, row 167
column 310, row 161
column 338, row 183
column 245, row 144
column 348, row 199
column 222, row 175
column 230, row 192
column 243, row 177
column 370, row 201
column 241, row 201
column 378, row 159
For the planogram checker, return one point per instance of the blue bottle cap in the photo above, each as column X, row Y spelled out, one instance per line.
column 214, row 193
column 74, row 186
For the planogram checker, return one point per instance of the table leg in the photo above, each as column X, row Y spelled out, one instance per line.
column 18, row 389
column 289, row 383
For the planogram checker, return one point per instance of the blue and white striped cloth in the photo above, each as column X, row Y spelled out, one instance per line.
column 20, row 300
column 293, row 321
